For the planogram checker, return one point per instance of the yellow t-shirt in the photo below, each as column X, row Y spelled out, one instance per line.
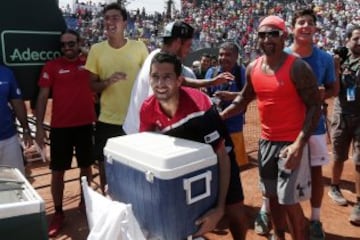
column 103, row 60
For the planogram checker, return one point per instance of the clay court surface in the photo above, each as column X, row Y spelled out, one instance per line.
column 334, row 218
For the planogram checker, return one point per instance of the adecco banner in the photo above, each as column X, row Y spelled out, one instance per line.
column 29, row 36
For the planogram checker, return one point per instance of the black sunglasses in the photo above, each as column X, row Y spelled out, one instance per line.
column 69, row 44
column 270, row 34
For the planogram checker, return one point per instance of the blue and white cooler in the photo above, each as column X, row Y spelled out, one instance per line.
column 169, row 181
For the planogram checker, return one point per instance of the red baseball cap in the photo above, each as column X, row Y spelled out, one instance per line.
column 274, row 21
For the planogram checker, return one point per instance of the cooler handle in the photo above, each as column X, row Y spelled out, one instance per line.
column 187, row 187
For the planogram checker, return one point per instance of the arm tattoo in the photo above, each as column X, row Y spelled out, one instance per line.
column 306, row 86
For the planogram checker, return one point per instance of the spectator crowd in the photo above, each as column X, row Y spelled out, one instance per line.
column 218, row 21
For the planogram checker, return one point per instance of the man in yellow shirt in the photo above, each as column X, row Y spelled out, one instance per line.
column 113, row 65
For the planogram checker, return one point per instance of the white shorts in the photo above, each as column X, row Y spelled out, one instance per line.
column 319, row 152
column 11, row 153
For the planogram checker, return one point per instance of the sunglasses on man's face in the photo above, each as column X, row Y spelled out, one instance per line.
column 69, row 44
column 270, row 34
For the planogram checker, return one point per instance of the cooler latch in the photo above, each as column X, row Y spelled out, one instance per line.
column 109, row 159
column 149, row 176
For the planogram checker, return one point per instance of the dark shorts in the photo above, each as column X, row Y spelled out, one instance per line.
column 289, row 186
column 104, row 131
column 63, row 142
column 235, row 192
column 345, row 129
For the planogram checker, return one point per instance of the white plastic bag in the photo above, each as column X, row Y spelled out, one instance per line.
column 107, row 219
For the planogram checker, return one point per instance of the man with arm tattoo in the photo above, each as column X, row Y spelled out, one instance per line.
column 289, row 103
column 303, row 29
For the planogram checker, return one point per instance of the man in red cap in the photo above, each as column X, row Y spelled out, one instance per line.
column 303, row 26
column 289, row 107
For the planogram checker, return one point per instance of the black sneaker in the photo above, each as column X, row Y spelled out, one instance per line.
column 316, row 230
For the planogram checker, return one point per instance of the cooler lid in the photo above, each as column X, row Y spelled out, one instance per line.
column 166, row 157
column 17, row 196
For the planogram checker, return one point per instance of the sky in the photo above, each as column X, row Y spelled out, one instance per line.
column 150, row 5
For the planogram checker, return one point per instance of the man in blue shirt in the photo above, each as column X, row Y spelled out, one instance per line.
column 322, row 64
column 11, row 103
column 223, row 94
